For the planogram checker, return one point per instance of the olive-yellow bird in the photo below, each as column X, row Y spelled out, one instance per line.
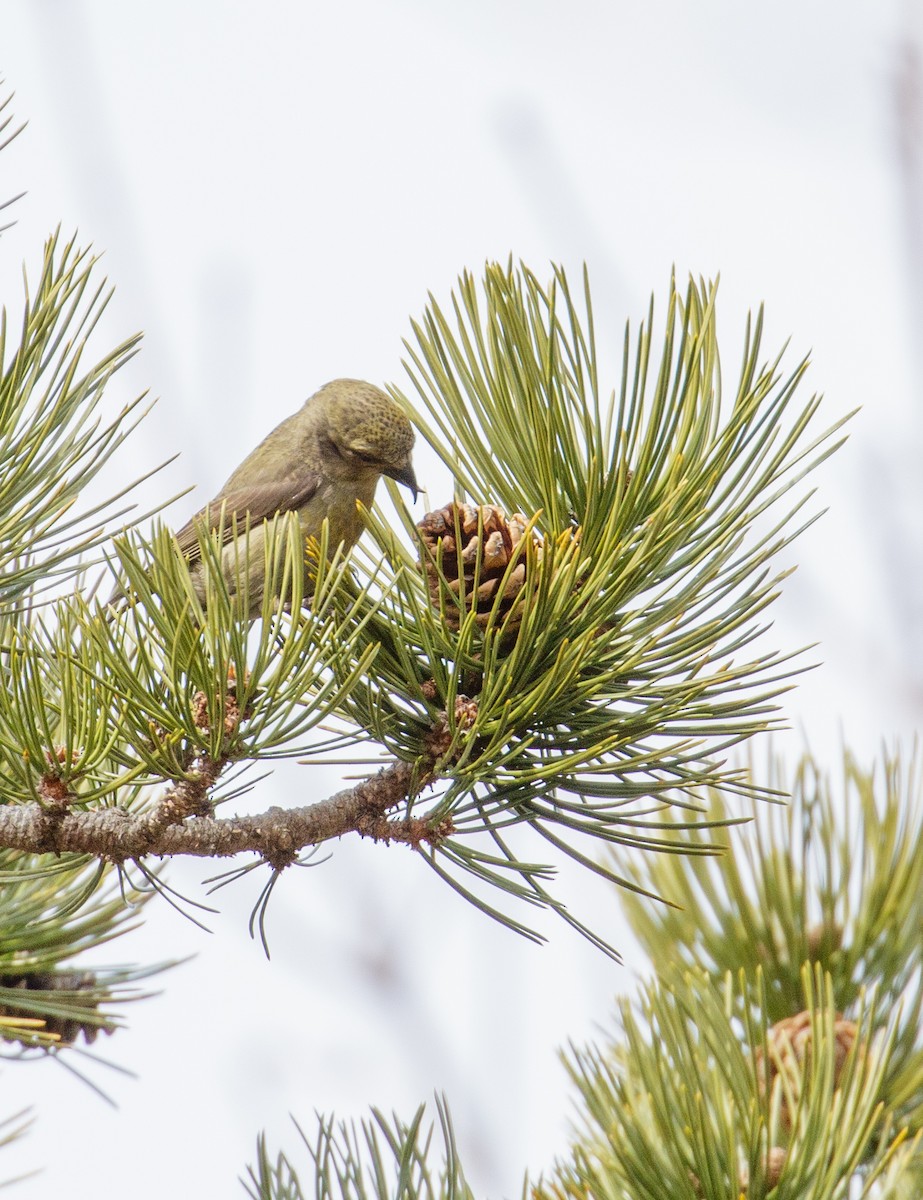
column 324, row 461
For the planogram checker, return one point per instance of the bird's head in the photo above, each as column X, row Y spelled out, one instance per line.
column 366, row 430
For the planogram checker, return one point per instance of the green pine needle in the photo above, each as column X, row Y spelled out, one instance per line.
column 53, row 440
column 631, row 667
column 689, row 1102
column 381, row 1159
column 833, row 877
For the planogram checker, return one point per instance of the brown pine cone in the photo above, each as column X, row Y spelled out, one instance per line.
column 65, row 1029
column 790, row 1052
column 476, row 545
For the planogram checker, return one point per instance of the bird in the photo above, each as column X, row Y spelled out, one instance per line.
column 324, row 461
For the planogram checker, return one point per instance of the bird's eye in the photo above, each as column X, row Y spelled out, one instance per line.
column 363, row 457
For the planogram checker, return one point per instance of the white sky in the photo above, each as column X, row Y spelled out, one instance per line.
column 276, row 189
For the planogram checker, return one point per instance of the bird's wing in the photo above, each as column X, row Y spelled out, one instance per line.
column 259, row 502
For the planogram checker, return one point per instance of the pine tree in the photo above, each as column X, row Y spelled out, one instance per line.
column 566, row 655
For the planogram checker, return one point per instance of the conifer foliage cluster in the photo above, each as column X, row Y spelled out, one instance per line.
column 561, row 659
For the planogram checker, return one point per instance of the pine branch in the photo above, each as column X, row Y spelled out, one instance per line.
column 587, row 678
column 179, row 824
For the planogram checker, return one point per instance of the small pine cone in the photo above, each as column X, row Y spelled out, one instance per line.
column 790, row 1051
column 476, row 542
column 823, row 940
column 439, row 738
column 66, row 1029
column 774, row 1163
column 232, row 713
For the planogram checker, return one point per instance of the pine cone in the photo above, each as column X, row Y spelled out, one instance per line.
column 66, row 1029
column 476, row 544
column 790, row 1043
column 773, row 1166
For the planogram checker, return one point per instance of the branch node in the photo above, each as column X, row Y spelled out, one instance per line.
column 411, row 831
column 55, row 793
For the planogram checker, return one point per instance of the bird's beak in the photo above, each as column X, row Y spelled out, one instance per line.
column 406, row 476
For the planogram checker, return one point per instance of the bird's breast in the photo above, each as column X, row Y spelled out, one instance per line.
column 339, row 502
